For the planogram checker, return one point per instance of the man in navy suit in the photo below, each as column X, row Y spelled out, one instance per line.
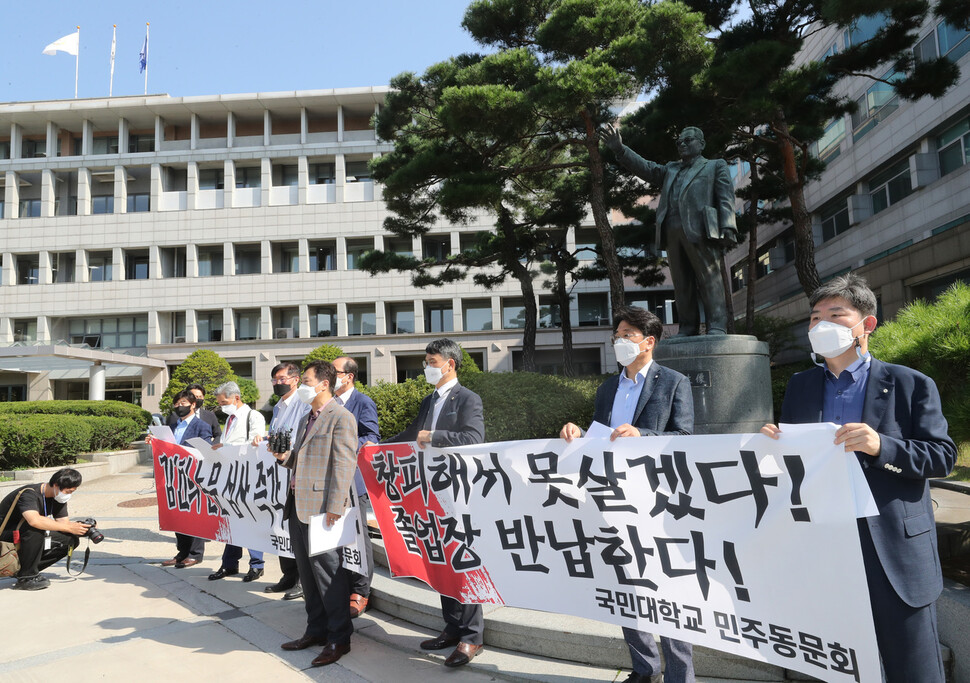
column 449, row 416
column 891, row 419
column 364, row 411
column 187, row 425
column 646, row 399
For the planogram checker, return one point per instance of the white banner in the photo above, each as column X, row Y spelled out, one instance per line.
column 735, row 542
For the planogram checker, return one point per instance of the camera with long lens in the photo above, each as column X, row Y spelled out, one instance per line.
column 92, row 533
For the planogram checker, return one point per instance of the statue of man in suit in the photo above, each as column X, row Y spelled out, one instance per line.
column 695, row 221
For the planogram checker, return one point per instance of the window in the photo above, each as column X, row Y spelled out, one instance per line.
column 863, row 29
column 110, row 333
column 437, row 248
column 323, row 256
column 925, row 50
column 357, row 171
column 105, row 145
column 99, row 266
column 136, row 265
column 322, row 174
column 361, row 320
column 209, row 326
column 323, row 322
column 211, row 179
column 211, row 261
column 954, row 147
column 513, row 314
column 593, row 309
column 439, row 317
column 247, row 325
column 738, row 275
column 25, row 330
column 400, row 318
column 953, row 41
column 828, row 146
column 878, row 102
column 890, row 186
column 286, row 258
column 28, row 269
column 176, row 325
column 355, row 250
column 763, row 266
column 33, row 149
column 835, row 219
column 286, row 319
column 173, row 261
column 5, row 149
column 141, row 143
column 139, row 203
column 30, row 208
column 62, row 266
column 103, row 204
column 289, row 175
column 1, row 208
column 248, row 259
column 587, row 245
column 248, row 177
column 401, row 246
column 477, row 315
column 549, row 315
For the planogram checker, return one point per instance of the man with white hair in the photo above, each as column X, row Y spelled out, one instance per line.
column 243, row 424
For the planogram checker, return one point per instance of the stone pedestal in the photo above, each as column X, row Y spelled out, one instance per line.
column 730, row 377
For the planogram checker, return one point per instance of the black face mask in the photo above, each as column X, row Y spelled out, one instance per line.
column 282, row 389
column 182, row 411
column 199, row 402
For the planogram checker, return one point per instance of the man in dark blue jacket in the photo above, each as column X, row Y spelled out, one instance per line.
column 364, row 411
column 646, row 399
column 890, row 417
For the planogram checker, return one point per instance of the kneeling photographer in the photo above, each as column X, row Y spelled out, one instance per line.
column 36, row 517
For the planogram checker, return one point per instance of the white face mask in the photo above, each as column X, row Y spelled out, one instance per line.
column 433, row 375
column 626, row 351
column 831, row 340
column 228, row 409
column 306, row 393
column 62, row 497
column 340, row 383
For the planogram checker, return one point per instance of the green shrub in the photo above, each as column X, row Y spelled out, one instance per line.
column 327, row 352
column 94, row 408
column 207, row 368
column 469, row 368
column 112, row 433
column 397, row 404
column 43, row 440
column 527, row 405
column 934, row 338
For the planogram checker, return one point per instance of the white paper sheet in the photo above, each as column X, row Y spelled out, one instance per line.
column 598, row 430
column 164, row 433
column 343, row 532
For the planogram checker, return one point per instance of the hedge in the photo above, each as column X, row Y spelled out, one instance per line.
column 43, row 440
column 94, row 408
column 522, row 405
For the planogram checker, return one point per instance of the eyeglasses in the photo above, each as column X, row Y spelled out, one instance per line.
column 428, row 365
column 341, row 372
column 283, row 380
column 630, row 336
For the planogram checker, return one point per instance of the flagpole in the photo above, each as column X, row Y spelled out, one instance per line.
column 77, row 58
column 111, row 82
column 146, row 57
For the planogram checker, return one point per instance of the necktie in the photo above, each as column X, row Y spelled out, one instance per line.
column 232, row 418
column 430, row 419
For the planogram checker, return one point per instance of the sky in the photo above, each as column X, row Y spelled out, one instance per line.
column 212, row 47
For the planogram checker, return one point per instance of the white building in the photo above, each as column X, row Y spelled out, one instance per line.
column 894, row 201
column 159, row 225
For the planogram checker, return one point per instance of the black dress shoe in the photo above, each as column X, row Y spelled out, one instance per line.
column 303, row 642
column 252, row 575
column 634, row 677
column 442, row 641
column 280, row 586
column 222, row 573
column 464, row 653
column 294, row 593
column 331, row 653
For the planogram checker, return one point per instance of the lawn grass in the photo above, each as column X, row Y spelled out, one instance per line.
column 961, row 472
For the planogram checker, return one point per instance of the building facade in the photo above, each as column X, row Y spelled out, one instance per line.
column 893, row 203
column 160, row 225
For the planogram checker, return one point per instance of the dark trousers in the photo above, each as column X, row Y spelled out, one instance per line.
column 291, row 573
column 326, row 593
column 909, row 643
column 233, row 553
column 189, row 547
column 695, row 269
column 678, row 656
column 32, row 555
column 466, row 622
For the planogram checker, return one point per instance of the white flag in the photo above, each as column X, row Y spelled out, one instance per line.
column 66, row 44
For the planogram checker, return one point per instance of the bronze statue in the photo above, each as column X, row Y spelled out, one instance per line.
column 695, row 221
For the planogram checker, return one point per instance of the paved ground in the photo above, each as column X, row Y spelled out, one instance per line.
column 128, row 617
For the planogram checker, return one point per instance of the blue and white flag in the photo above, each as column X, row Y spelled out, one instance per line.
column 143, row 55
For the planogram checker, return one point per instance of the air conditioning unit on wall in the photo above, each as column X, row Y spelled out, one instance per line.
column 179, row 340
column 283, row 333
